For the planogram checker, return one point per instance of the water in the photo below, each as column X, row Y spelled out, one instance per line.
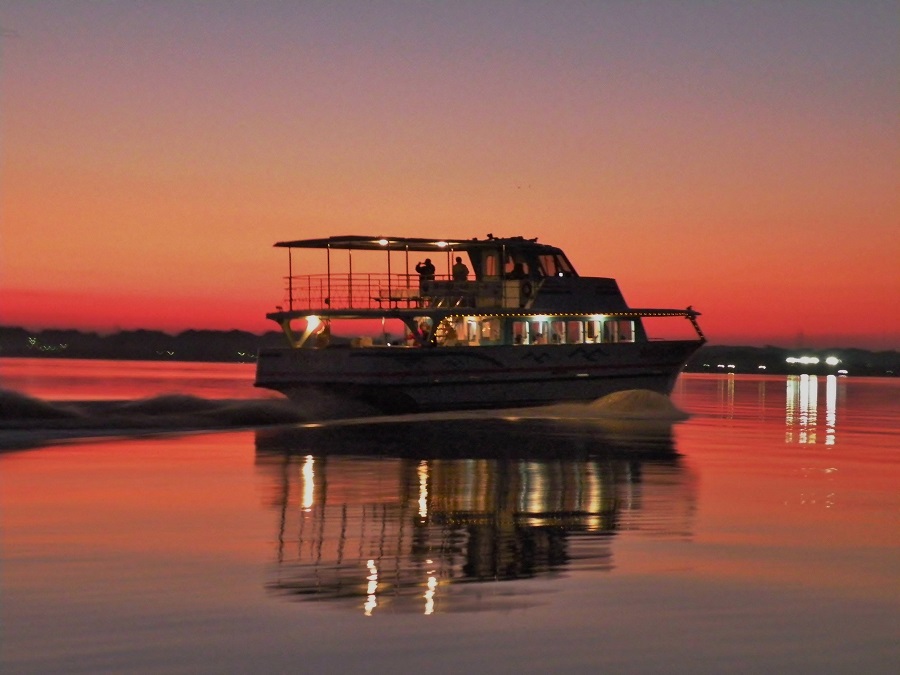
column 760, row 535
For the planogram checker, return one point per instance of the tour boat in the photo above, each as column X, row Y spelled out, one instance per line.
column 498, row 322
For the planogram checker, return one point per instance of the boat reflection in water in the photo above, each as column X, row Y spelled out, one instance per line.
column 402, row 514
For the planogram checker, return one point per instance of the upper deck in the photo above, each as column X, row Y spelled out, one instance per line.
column 446, row 278
column 487, row 275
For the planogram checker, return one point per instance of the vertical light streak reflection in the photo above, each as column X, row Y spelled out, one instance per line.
column 830, row 408
column 422, row 472
column 594, row 489
column 308, row 476
column 532, row 489
column 430, row 593
column 761, row 398
column 789, row 405
column 726, row 395
column 802, row 408
column 372, row 578
column 730, row 395
column 813, row 404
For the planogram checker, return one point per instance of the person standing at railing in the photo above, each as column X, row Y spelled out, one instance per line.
column 460, row 271
column 426, row 273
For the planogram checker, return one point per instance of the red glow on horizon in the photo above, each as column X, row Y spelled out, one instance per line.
column 760, row 188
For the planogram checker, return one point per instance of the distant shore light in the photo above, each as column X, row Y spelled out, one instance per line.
column 805, row 360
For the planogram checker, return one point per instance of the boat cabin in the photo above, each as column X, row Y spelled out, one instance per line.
column 445, row 292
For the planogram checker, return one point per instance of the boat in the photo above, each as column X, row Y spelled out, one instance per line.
column 498, row 322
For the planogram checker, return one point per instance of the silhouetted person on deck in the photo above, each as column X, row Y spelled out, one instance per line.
column 460, row 271
column 518, row 272
column 426, row 272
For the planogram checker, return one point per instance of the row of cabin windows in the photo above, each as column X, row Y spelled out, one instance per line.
column 572, row 332
column 530, row 332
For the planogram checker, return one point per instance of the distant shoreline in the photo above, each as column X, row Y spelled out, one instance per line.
column 236, row 346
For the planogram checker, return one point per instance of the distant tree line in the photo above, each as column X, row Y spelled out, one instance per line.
column 242, row 346
column 137, row 345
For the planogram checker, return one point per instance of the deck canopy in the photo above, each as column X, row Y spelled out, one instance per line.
column 378, row 243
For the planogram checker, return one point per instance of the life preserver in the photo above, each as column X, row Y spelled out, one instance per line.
column 527, row 289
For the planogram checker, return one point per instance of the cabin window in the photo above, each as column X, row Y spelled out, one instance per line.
column 594, row 331
column 490, row 266
column 459, row 334
column 520, row 332
column 554, row 266
column 546, row 265
column 609, row 331
column 621, row 330
column 574, row 332
column 557, row 332
column 538, row 330
column 625, row 329
column 490, row 330
column 564, row 267
column 471, row 331
column 516, row 267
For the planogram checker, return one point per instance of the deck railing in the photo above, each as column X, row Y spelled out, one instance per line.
column 398, row 291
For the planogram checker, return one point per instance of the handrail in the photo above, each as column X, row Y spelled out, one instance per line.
column 383, row 290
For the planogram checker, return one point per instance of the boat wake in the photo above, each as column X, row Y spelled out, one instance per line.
column 26, row 421
column 638, row 404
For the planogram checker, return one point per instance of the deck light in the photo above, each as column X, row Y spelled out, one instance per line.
column 383, row 242
column 441, row 244
column 832, row 360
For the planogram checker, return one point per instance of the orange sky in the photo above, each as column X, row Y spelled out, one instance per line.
column 740, row 158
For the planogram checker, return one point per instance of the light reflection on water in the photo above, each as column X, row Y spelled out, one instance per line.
column 808, row 418
column 364, row 522
column 802, row 408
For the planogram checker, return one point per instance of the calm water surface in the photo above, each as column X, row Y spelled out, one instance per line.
column 759, row 536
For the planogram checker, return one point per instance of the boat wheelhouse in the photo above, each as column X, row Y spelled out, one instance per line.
column 484, row 323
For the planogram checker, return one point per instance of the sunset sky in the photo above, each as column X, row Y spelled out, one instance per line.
column 740, row 157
